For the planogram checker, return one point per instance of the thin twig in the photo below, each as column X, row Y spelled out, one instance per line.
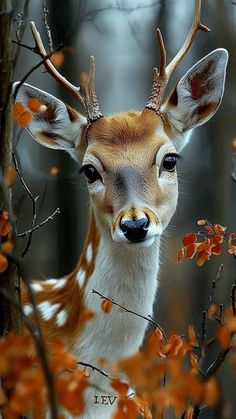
column 47, row 27
column 204, row 314
column 21, row 44
column 33, row 69
column 20, row 29
column 215, row 364
column 34, row 205
column 28, row 232
column 86, row 365
column 233, row 170
column 148, row 319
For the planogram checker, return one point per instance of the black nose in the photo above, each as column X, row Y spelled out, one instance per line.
column 135, row 230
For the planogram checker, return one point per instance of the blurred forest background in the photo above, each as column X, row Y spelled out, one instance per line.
column 121, row 36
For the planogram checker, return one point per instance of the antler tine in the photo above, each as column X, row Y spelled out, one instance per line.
column 88, row 91
column 73, row 90
column 159, row 81
column 196, row 25
column 90, row 104
column 161, row 78
column 162, row 69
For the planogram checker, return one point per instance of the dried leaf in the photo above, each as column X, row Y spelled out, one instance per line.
column 212, row 311
column 189, row 239
column 3, row 262
column 106, row 306
column 120, row 387
column 10, row 175
column 54, row 170
column 57, row 58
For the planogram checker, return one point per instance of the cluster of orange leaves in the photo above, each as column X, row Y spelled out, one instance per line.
column 166, row 373
column 163, row 362
column 211, row 240
column 22, row 114
column 7, row 243
column 24, row 387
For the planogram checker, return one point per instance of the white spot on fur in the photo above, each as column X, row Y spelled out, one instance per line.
column 27, row 309
column 59, row 284
column 80, row 277
column 47, row 309
column 89, row 253
column 36, row 287
column 51, row 281
column 61, row 318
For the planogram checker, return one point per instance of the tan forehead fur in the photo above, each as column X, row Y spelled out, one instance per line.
column 130, row 135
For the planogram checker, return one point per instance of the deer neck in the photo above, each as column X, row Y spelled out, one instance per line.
column 128, row 276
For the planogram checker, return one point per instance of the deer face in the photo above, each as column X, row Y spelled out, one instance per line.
column 130, row 167
column 129, row 159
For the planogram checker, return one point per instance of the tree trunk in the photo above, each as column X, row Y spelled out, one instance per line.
column 9, row 280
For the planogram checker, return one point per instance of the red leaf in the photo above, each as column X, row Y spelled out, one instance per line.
column 189, row 238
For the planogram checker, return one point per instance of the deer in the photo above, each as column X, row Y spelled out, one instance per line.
column 129, row 161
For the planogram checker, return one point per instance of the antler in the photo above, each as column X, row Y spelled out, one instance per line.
column 161, row 77
column 85, row 93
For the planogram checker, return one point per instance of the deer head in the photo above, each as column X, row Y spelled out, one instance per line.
column 129, row 159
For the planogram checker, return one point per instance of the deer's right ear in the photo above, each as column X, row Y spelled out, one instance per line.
column 55, row 125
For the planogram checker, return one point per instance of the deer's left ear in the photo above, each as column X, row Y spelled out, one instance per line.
column 197, row 95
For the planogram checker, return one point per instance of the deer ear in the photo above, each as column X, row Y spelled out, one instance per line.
column 197, row 95
column 55, row 124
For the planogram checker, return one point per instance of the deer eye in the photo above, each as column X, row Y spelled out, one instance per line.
column 169, row 162
column 90, row 172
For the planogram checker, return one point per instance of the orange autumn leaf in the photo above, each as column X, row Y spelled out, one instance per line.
column 154, row 343
column 224, row 337
column 189, row 413
column 233, row 144
column 10, row 175
column 106, row 306
column 142, row 406
column 3, row 262
column 212, row 311
column 70, row 390
column 192, row 336
column 34, row 105
column 86, row 316
column 102, row 362
column 232, row 244
column 211, row 392
column 194, row 361
column 189, row 238
column 5, row 225
column 126, row 409
column 54, row 171
column 57, row 58
column 201, row 222
column 7, row 246
column 180, row 255
column 120, row 387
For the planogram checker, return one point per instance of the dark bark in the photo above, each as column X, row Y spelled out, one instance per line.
column 9, row 315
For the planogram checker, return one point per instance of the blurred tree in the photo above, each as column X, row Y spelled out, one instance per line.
column 9, row 315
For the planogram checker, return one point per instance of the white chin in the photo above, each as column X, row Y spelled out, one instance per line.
column 141, row 244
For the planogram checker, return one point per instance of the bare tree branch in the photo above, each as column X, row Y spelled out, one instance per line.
column 21, row 20
column 34, row 205
column 126, row 310
column 50, row 217
column 47, row 27
column 86, row 365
